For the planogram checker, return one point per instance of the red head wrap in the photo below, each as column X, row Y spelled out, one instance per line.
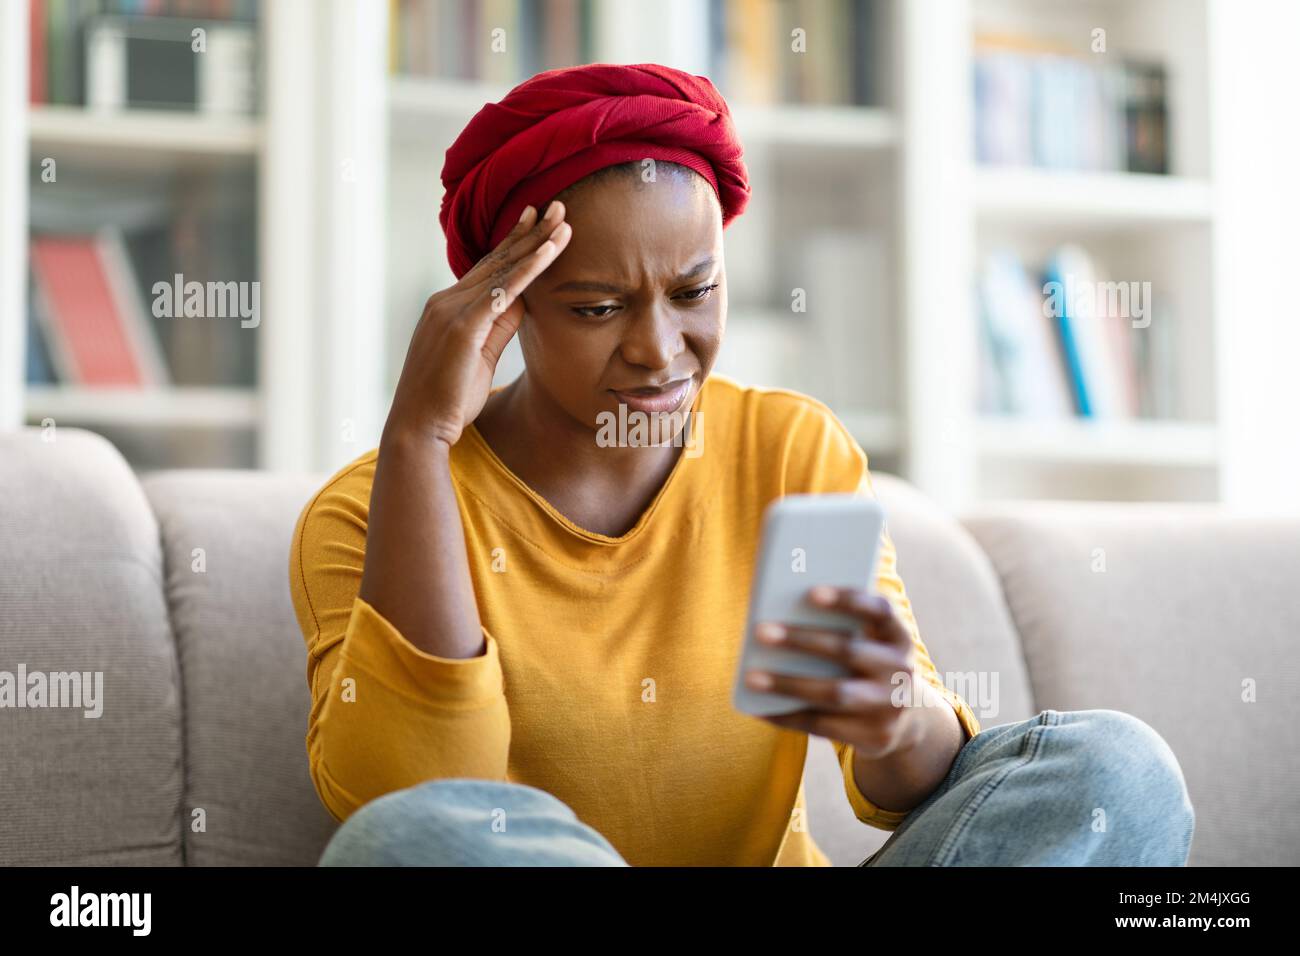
column 557, row 127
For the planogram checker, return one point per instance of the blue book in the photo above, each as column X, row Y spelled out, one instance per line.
column 1067, row 337
column 40, row 370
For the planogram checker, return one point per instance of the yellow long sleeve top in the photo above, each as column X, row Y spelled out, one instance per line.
column 609, row 663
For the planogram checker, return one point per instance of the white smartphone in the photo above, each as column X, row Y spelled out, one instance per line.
column 807, row 540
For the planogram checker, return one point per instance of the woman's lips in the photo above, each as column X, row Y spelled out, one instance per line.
column 666, row 399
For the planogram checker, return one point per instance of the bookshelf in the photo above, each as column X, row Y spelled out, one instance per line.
column 145, row 138
column 869, row 195
column 138, row 171
column 184, row 406
column 13, row 203
column 895, row 174
column 1088, row 201
column 1152, row 227
column 793, row 151
column 275, row 197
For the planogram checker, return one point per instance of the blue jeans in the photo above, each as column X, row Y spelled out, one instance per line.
column 1063, row 788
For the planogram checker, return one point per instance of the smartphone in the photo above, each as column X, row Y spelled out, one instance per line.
column 807, row 540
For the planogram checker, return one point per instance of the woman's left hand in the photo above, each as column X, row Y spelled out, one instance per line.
column 859, row 709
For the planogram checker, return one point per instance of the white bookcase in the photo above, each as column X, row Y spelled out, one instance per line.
column 816, row 172
column 351, row 246
column 903, row 173
column 1156, row 228
column 315, row 150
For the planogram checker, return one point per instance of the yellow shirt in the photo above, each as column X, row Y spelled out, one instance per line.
column 609, row 662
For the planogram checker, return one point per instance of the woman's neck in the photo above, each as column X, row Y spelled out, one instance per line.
column 601, row 489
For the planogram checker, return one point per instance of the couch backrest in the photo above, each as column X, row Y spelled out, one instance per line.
column 176, row 587
column 1185, row 616
column 225, row 541
column 81, row 591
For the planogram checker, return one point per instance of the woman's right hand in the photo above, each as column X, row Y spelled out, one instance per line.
column 459, row 339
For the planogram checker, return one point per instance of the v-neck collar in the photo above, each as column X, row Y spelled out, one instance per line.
column 682, row 475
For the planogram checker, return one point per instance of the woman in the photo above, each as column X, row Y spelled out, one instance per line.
column 522, row 634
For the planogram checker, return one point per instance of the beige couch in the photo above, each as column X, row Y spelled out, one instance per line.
column 198, row 757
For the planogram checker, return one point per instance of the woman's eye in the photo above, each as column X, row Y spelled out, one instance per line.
column 594, row 311
column 695, row 295
column 601, row 311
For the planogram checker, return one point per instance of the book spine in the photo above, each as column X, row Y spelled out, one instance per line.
column 129, row 306
column 1075, row 112
column 1068, row 341
column 40, row 364
column 37, row 67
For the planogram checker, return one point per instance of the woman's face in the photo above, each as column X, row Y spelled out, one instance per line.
column 636, row 301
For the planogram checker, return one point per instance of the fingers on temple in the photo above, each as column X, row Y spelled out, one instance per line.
column 509, row 281
column 522, row 241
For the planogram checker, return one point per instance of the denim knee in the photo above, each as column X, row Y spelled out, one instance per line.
column 414, row 825
column 462, row 822
column 1135, row 766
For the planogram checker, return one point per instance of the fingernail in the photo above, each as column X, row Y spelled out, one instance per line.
column 758, row 680
column 822, row 594
column 770, row 633
column 524, row 215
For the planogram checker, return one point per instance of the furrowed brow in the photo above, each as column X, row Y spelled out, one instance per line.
column 704, row 265
column 577, row 285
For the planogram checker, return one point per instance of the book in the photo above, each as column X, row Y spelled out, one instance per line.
column 452, row 39
column 38, row 69
column 1145, row 121
column 1157, row 365
column 1003, row 96
column 751, row 57
column 1045, row 103
column 1071, row 281
column 40, row 367
column 495, row 46
column 1069, row 345
column 94, row 317
column 59, row 30
column 1023, row 371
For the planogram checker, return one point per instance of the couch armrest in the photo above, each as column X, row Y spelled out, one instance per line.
column 81, row 591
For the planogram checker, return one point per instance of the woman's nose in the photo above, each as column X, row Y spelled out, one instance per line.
column 652, row 339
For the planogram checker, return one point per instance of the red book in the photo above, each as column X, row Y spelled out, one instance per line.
column 96, row 328
column 36, row 61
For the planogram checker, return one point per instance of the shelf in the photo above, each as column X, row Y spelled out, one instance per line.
column 415, row 100
column 1084, row 200
column 142, row 139
column 1132, row 442
column 180, row 406
column 853, row 127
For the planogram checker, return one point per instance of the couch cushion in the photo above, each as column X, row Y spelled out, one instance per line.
column 966, row 628
column 243, row 665
column 1172, row 613
column 81, row 590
